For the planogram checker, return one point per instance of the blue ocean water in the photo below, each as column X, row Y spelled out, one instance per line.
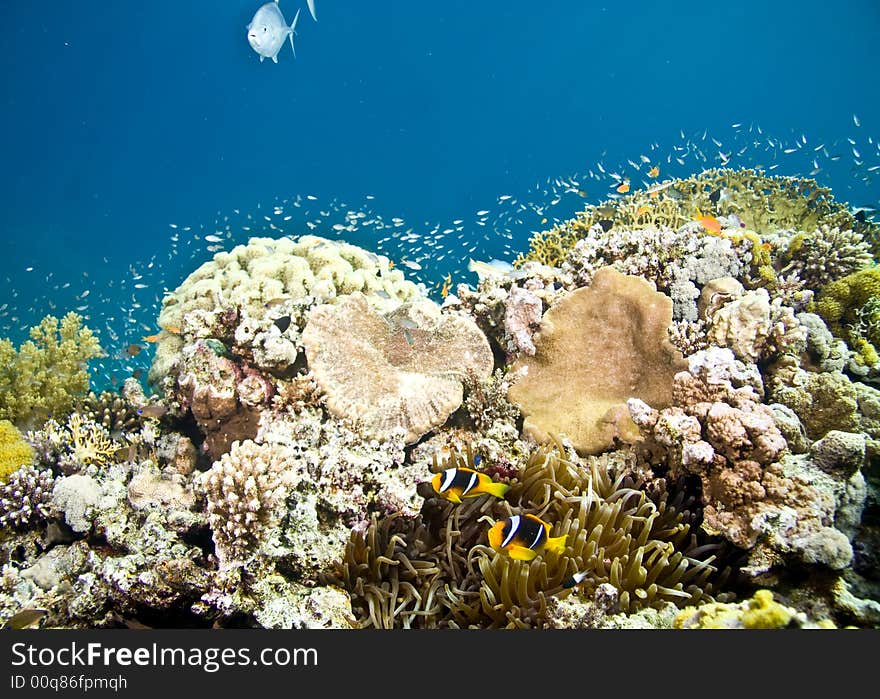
column 432, row 132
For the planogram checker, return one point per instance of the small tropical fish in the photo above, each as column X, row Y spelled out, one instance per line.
column 447, row 282
column 642, row 210
column 710, row 223
column 453, row 484
column 150, row 338
column 268, row 31
column 491, row 268
column 133, row 350
column 523, row 537
column 282, row 323
column 654, row 171
column 153, row 410
column 623, row 187
column 217, row 347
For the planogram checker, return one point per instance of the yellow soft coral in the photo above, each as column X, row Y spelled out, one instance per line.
column 14, row 451
column 48, row 372
column 91, row 444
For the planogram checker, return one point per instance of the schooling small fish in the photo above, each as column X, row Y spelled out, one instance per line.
column 453, row 484
column 522, row 537
column 268, row 31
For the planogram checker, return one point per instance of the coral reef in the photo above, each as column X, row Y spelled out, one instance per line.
column 677, row 382
column 762, row 203
column 48, row 373
column 597, row 347
column 436, row 569
column 401, row 370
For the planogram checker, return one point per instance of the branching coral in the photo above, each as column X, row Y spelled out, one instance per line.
column 48, row 373
column 762, row 203
column 244, row 489
column 26, row 496
column 825, row 255
column 78, row 443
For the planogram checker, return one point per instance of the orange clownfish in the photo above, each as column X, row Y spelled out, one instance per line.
column 654, row 171
column 522, row 537
column 710, row 223
column 453, row 484
column 623, row 187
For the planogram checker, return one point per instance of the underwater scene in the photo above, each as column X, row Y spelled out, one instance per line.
column 415, row 315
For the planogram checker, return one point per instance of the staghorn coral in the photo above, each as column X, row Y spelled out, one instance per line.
column 597, row 347
column 403, row 370
column 48, row 373
column 435, row 569
column 25, row 497
column 14, row 450
column 244, row 489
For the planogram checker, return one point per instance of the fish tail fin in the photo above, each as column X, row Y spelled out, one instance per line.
column 556, row 544
column 499, row 490
column 292, row 30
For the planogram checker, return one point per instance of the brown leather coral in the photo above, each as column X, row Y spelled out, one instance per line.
column 403, row 370
column 596, row 348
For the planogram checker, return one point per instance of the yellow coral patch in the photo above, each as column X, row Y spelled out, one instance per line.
column 14, row 451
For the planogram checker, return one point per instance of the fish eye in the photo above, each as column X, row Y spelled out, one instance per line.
column 265, row 29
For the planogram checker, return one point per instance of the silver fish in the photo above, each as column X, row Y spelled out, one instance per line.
column 311, row 4
column 268, row 31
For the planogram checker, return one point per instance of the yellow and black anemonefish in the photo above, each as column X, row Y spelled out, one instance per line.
column 454, row 484
column 522, row 537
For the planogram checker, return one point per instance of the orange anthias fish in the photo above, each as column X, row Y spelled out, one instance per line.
column 710, row 223
column 623, row 187
column 150, row 338
column 654, row 171
column 642, row 210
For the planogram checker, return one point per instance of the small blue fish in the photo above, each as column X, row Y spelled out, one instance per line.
column 268, row 31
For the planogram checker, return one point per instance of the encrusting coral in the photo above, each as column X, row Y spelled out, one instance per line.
column 48, row 373
column 759, row 612
column 598, row 347
column 404, row 370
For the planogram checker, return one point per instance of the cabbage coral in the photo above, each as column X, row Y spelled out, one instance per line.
column 48, row 373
